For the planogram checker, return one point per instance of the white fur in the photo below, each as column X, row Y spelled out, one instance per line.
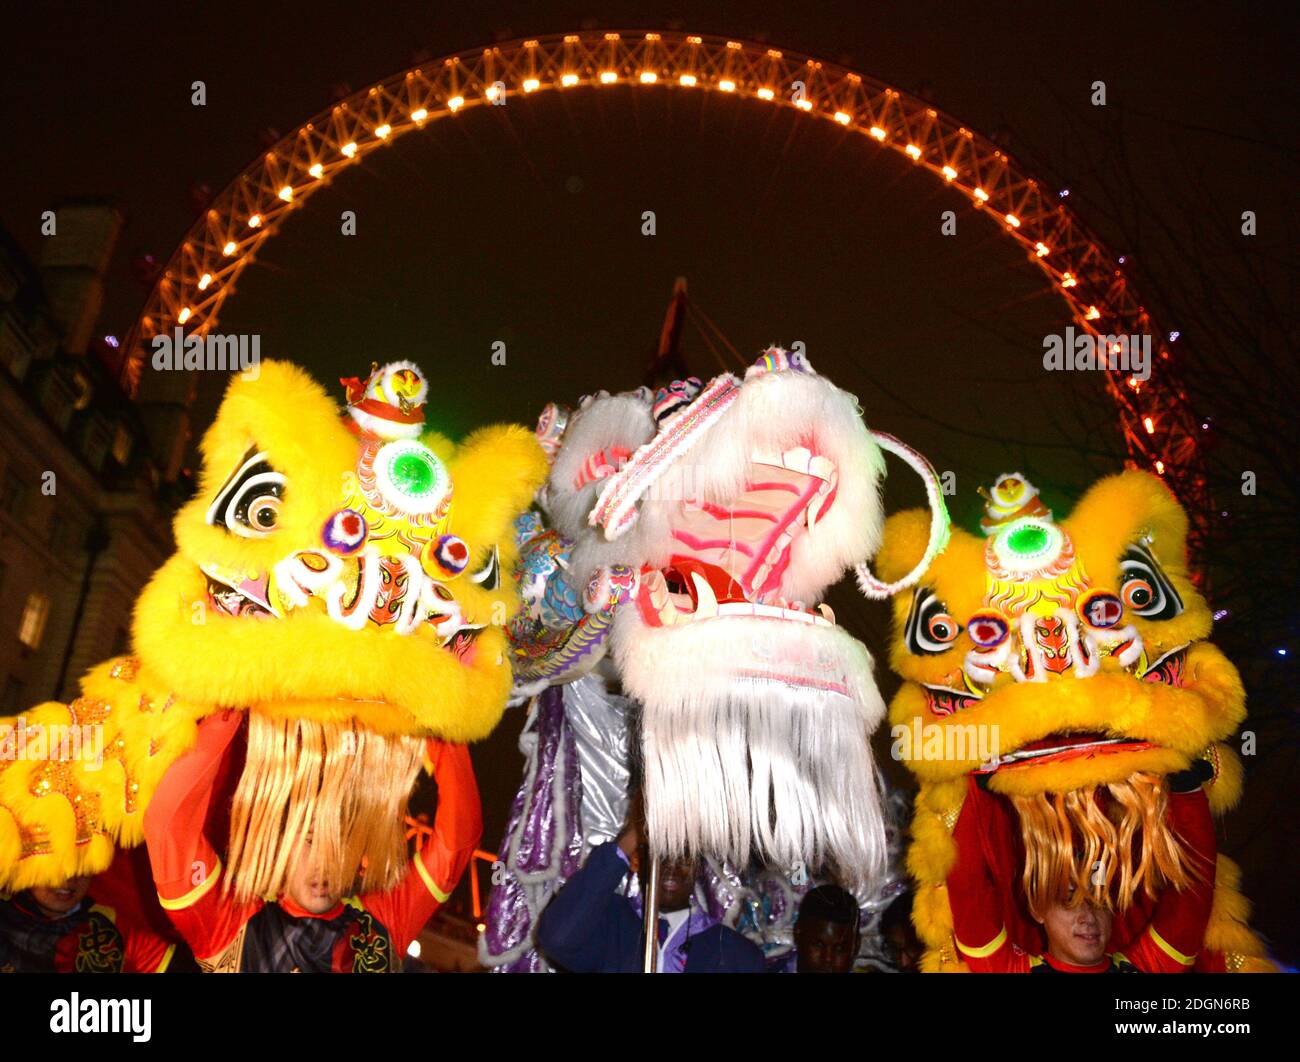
column 773, row 413
column 607, row 420
column 735, row 763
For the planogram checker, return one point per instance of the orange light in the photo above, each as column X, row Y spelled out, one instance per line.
column 229, row 249
column 1067, row 280
column 532, row 84
column 1013, row 221
column 842, row 118
column 204, row 281
column 383, row 131
column 804, row 105
column 255, row 221
column 981, row 195
column 688, row 80
column 914, row 151
column 877, row 132
column 492, row 92
column 648, row 77
column 184, row 315
column 1160, row 467
column 286, row 193
column 949, row 173
column 349, row 149
column 766, row 94
column 453, row 104
column 727, row 86
column 316, row 170
column 419, row 114
column 1042, row 250
column 608, row 77
column 1092, row 314
column 1149, row 424
column 569, row 80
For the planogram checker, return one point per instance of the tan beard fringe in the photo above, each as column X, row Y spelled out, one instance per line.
column 1071, row 838
column 346, row 784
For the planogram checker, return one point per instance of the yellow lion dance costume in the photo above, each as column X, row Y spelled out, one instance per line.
column 336, row 577
column 1078, row 648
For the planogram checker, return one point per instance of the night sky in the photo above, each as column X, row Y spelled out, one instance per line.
column 521, row 223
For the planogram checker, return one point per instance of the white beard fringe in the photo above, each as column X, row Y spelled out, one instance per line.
column 739, row 764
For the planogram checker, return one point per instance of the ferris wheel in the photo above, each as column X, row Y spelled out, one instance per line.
column 1158, row 428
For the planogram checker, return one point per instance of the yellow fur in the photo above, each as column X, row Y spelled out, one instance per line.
column 1183, row 722
column 190, row 659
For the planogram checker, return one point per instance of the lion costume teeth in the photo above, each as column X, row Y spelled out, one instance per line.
column 1079, row 647
column 706, row 522
column 338, row 578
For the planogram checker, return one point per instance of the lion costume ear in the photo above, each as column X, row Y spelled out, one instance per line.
column 1119, row 509
column 495, row 472
column 1124, row 509
column 903, row 543
column 287, row 415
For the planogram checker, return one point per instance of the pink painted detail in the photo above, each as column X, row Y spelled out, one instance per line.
column 723, row 513
column 810, row 490
column 695, row 542
column 793, row 680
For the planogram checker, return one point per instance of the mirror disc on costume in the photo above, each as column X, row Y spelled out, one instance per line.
column 411, row 477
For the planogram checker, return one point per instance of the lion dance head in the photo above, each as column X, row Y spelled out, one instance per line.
column 337, row 576
column 1065, row 663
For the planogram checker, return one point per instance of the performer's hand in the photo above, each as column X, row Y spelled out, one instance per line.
column 629, row 840
column 1190, row 780
column 439, row 755
column 216, row 730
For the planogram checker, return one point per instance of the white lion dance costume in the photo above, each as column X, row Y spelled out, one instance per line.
column 694, row 533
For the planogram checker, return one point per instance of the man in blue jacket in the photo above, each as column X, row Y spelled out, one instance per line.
column 591, row 927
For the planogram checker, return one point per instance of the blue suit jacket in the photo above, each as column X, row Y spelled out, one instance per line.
column 589, row 928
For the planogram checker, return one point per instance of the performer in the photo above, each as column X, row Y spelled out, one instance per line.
column 591, row 927
column 338, row 579
column 827, row 934
column 1079, row 931
column 313, row 928
column 1066, row 662
column 61, row 929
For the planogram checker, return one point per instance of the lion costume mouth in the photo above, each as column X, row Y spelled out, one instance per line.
column 387, row 591
column 1056, row 748
column 735, row 556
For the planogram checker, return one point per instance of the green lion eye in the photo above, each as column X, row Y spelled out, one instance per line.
column 411, row 477
column 1027, row 541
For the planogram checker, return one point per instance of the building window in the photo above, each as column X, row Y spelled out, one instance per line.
column 13, row 493
column 96, row 442
column 15, row 348
column 57, row 399
column 32, row 629
column 122, row 445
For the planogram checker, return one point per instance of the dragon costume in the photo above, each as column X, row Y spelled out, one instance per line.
column 1065, row 664
column 337, row 578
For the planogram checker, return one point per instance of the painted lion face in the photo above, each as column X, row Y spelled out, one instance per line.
column 343, row 567
column 1058, row 654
